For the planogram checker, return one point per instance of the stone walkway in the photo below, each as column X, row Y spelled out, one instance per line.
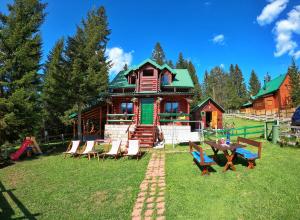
column 150, row 203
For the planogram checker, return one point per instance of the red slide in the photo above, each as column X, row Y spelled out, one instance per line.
column 20, row 151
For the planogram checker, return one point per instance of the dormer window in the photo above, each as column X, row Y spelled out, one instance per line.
column 148, row 73
column 165, row 80
column 132, row 79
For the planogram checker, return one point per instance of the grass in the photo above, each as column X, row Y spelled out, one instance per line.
column 270, row 191
column 51, row 187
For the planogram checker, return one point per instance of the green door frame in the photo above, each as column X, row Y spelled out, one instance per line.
column 147, row 109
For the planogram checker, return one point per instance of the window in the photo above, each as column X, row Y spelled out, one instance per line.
column 171, row 107
column 148, row 73
column 127, row 108
column 165, row 80
column 132, row 79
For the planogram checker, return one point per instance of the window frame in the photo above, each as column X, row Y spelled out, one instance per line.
column 172, row 107
column 126, row 107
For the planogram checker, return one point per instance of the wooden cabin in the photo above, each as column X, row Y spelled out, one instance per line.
column 209, row 112
column 145, row 98
column 272, row 98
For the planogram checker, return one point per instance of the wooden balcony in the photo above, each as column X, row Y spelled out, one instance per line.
column 120, row 118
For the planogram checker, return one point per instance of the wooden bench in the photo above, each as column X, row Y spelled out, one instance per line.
column 200, row 157
column 248, row 155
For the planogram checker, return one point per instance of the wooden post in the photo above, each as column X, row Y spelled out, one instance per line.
column 74, row 129
column 100, row 121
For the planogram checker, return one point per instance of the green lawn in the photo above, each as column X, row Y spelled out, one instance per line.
column 51, row 187
column 270, row 191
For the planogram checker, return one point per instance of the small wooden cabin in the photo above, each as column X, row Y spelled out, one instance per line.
column 209, row 112
column 273, row 97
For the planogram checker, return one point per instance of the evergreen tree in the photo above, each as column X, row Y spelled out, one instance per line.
column 181, row 63
column 197, row 89
column 158, row 54
column 294, row 74
column 170, row 64
column 254, row 84
column 56, row 91
column 20, row 46
column 86, row 60
column 205, row 85
column 237, row 93
column 267, row 77
column 125, row 67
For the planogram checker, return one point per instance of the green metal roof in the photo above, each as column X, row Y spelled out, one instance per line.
column 202, row 103
column 182, row 76
column 182, row 79
column 270, row 87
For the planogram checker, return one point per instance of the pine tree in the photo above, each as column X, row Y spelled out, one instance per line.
column 20, row 46
column 125, row 67
column 294, row 74
column 237, row 93
column 267, row 77
column 254, row 84
column 197, row 88
column 205, row 85
column 170, row 64
column 181, row 63
column 158, row 54
column 56, row 91
column 87, row 62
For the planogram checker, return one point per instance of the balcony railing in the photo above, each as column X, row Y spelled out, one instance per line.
column 120, row 118
column 173, row 117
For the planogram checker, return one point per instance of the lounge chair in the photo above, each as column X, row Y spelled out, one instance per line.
column 114, row 151
column 72, row 148
column 133, row 148
column 88, row 149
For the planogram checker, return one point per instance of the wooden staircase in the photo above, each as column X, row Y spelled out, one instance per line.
column 146, row 135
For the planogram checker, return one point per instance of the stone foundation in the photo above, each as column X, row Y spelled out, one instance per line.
column 180, row 134
column 117, row 132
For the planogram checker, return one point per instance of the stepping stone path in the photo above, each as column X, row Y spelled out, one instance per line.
column 150, row 203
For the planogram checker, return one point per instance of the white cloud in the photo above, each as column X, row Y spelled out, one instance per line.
column 271, row 11
column 284, row 31
column 222, row 66
column 219, row 39
column 118, row 58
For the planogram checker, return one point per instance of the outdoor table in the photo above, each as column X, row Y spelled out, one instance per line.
column 226, row 150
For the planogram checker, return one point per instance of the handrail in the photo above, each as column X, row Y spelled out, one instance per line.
column 172, row 114
column 118, row 115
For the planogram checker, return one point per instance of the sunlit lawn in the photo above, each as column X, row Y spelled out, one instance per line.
column 270, row 191
column 51, row 187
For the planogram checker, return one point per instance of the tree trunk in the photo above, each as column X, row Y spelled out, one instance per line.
column 79, row 132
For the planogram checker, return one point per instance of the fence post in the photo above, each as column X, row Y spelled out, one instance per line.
column 173, row 135
column 266, row 130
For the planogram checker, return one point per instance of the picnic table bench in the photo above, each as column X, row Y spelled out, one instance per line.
column 201, row 158
column 248, row 155
column 228, row 150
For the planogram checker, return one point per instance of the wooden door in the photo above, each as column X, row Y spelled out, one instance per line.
column 214, row 119
column 147, row 107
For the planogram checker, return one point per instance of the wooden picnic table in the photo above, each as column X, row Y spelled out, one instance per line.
column 229, row 152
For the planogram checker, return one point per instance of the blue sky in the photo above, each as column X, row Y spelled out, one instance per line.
column 255, row 34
